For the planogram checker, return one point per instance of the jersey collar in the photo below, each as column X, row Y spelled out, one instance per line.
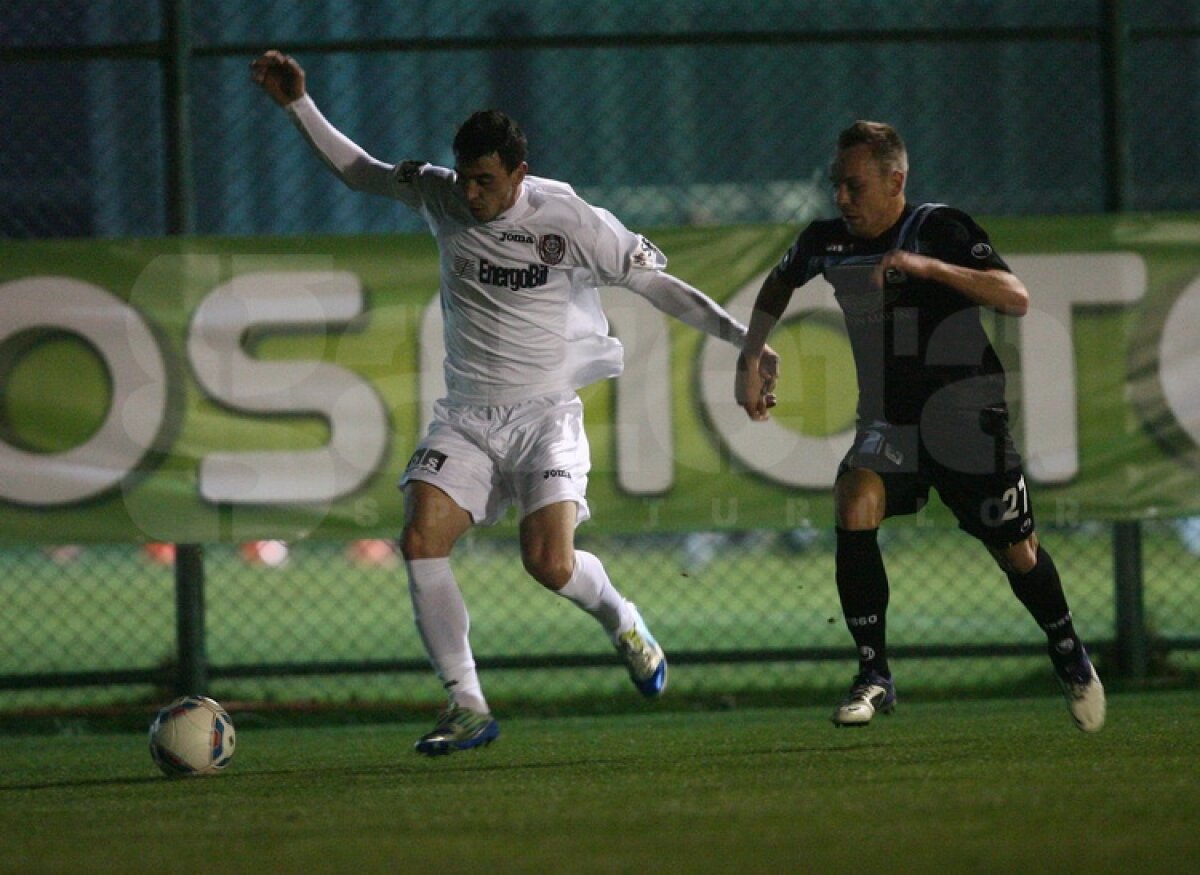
column 520, row 207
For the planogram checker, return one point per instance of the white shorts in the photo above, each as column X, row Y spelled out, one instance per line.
column 531, row 455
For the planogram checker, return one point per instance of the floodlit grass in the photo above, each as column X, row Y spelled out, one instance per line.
column 978, row 786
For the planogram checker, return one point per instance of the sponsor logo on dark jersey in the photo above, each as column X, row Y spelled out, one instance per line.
column 552, row 248
column 515, row 278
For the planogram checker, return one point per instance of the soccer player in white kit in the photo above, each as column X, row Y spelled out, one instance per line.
column 521, row 261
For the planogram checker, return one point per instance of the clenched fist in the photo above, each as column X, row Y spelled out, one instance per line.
column 279, row 75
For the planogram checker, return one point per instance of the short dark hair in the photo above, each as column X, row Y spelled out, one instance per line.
column 491, row 131
column 887, row 148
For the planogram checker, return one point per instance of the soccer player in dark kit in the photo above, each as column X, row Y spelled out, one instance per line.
column 931, row 409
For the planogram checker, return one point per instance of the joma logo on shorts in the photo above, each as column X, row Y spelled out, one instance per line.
column 556, row 472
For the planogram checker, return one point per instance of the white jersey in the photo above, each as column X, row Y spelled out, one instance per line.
column 520, row 293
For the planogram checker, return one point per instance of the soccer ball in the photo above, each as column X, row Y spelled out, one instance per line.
column 192, row 736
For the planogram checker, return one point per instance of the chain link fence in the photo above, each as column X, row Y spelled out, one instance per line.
column 740, row 613
column 700, row 111
column 144, row 122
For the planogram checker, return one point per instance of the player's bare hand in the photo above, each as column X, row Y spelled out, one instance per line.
column 280, row 75
column 754, row 385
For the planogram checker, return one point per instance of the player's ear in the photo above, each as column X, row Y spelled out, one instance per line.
column 518, row 175
column 896, row 182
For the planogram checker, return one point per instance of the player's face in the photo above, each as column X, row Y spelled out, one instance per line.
column 869, row 197
column 489, row 186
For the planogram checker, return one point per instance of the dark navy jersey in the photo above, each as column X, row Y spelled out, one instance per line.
column 919, row 348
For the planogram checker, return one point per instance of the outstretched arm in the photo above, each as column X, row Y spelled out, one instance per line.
column 692, row 307
column 688, row 304
column 283, row 79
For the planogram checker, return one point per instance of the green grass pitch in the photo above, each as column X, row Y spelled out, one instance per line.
column 1002, row 785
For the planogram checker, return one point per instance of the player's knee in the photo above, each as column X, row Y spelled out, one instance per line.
column 415, row 543
column 859, row 514
column 551, row 568
column 860, row 501
column 1020, row 558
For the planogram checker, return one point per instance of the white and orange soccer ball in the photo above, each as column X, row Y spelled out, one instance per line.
column 192, row 736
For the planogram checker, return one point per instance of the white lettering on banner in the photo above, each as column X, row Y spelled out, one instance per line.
column 358, row 424
column 137, row 373
column 644, row 439
column 770, row 448
column 1179, row 360
column 1057, row 284
column 432, row 344
column 645, row 449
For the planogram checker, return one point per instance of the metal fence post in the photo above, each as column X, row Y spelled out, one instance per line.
column 1132, row 639
column 1115, row 60
column 192, row 672
column 176, row 61
column 192, row 677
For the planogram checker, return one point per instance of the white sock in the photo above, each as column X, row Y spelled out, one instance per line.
column 441, row 618
column 590, row 588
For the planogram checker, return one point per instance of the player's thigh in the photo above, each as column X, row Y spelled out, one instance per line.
column 433, row 522
column 995, row 508
column 448, row 459
column 879, row 477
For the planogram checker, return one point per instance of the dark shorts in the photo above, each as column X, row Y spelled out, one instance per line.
column 973, row 465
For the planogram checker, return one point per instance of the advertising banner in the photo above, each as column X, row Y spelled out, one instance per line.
column 219, row 389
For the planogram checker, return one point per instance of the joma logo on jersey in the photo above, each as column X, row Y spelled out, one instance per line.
column 515, row 278
column 556, row 472
column 515, row 237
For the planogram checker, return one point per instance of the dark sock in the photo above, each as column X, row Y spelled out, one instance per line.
column 863, row 589
column 1040, row 591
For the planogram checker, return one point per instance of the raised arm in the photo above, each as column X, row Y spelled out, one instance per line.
column 993, row 288
column 283, row 79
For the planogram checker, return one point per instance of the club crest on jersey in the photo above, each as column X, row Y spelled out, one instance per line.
column 981, row 251
column 552, row 248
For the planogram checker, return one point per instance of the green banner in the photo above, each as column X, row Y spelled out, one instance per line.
column 233, row 389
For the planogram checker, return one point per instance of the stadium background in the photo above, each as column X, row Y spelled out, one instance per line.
column 141, row 122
